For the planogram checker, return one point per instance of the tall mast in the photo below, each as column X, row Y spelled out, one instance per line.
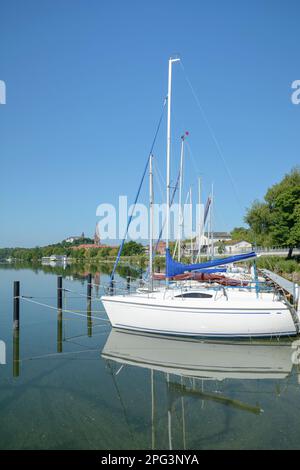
column 211, row 223
column 180, row 198
column 151, row 224
column 191, row 217
column 152, row 411
column 171, row 60
column 200, row 218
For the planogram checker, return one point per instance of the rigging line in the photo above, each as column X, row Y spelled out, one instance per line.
column 63, row 310
column 81, row 295
column 159, row 184
column 193, row 159
column 189, row 153
column 182, row 222
column 58, row 354
column 95, row 285
column 69, row 338
column 138, row 193
column 213, row 136
column 162, row 180
column 84, row 311
column 171, row 202
column 164, row 222
column 121, row 400
column 89, row 283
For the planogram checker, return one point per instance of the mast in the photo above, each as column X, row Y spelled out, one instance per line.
column 152, row 411
column 169, row 414
column 151, row 223
column 191, row 217
column 180, row 198
column 171, row 60
column 211, row 223
column 183, row 419
column 200, row 221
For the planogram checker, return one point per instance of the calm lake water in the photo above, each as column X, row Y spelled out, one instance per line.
column 80, row 385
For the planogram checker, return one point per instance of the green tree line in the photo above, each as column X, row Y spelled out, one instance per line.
column 131, row 248
column 275, row 221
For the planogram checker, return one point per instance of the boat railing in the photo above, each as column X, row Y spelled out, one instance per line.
column 123, row 287
column 214, row 284
column 129, row 286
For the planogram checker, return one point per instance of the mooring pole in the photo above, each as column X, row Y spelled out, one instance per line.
column 128, row 283
column 111, row 286
column 59, row 331
column 89, row 306
column 16, row 330
column 16, row 352
column 16, row 304
column 89, row 319
column 89, row 287
column 59, row 292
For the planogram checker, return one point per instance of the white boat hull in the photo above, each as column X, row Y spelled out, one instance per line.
column 241, row 316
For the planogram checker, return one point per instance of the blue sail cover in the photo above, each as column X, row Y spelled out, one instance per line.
column 174, row 267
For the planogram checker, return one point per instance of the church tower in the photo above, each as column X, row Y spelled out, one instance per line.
column 97, row 236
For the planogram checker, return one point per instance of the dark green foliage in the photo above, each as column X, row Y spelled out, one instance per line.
column 278, row 264
column 276, row 221
column 132, row 248
column 242, row 233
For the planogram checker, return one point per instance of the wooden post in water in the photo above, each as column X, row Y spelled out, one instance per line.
column 128, row 283
column 89, row 306
column 16, row 329
column 89, row 319
column 59, row 292
column 59, row 314
column 16, row 314
column 59, row 330
column 89, row 287
column 16, row 352
column 111, row 286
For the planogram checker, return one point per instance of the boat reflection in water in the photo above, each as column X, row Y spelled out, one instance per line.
column 187, row 363
column 214, row 360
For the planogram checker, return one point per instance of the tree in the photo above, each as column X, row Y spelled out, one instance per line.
column 104, row 252
column 132, row 248
column 242, row 233
column 159, row 263
column 276, row 220
column 221, row 247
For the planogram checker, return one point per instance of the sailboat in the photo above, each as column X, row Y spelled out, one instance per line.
column 200, row 312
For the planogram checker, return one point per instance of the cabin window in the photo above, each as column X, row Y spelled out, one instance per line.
column 195, row 295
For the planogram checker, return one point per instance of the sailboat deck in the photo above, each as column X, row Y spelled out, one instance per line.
column 225, row 299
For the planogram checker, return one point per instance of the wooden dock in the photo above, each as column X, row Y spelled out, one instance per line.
column 290, row 291
column 280, row 281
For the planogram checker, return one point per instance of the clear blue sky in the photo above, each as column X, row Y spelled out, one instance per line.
column 85, row 83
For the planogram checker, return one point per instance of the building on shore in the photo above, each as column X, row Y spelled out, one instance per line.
column 55, row 260
column 237, row 247
column 225, row 247
column 72, row 239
